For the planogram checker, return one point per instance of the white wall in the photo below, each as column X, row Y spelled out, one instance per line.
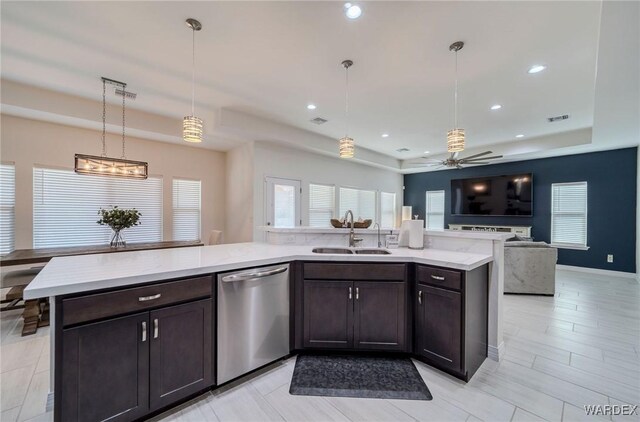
column 31, row 142
column 239, row 197
column 290, row 163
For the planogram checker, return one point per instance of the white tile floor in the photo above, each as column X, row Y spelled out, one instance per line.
column 579, row 347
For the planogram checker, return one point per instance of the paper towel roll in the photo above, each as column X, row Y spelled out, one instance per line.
column 412, row 234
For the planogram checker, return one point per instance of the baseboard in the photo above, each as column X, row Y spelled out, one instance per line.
column 495, row 353
column 597, row 271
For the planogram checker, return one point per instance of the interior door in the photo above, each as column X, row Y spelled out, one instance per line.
column 282, row 198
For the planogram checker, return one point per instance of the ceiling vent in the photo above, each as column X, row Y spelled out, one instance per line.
column 128, row 95
column 319, row 121
column 557, row 118
column 402, row 150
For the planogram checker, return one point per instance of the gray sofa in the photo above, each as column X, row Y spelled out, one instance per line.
column 530, row 268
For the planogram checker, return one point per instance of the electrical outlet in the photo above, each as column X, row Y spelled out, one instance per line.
column 610, row 258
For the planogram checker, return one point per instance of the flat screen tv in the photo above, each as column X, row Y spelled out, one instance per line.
column 510, row 195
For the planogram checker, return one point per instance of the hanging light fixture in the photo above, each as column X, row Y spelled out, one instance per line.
column 192, row 125
column 347, row 145
column 103, row 165
column 455, row 137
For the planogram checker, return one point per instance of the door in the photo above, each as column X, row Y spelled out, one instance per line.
column 282, row 198
column 180, row 355
column 105, row 370
column 328, row 314
column 439, row 328
column 379, row 315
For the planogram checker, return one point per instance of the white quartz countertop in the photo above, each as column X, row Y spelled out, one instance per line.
column 74, row 274
column 467, row 234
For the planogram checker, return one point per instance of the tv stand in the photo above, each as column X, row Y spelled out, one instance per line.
column 524, row 231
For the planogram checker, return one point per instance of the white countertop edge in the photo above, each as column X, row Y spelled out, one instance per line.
column 33, row 291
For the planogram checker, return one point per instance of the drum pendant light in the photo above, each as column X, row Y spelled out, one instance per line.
column 192, row 125
column 455, row 137
column 346, row 144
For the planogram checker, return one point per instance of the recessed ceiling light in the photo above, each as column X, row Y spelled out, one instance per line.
column 385, row 135
column 311, row 106
column 352, row 11
column 426, row 152
column 536, row 68
column 496, row 107
column 520, row 135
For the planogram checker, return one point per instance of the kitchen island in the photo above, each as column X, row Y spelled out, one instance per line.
column 90, row 291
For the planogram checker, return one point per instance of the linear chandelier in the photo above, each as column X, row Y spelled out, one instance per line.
column 106, row 166
column 192, row 125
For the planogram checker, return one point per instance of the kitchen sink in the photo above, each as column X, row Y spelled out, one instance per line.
column 372, row 251
column 333, row 250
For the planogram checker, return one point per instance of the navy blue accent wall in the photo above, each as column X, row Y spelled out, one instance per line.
column 611, row 221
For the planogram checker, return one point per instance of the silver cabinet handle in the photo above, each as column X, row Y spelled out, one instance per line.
column 144, row 332
column 357, row 293
column 437, row 277
column 349, row 293
column 420, row 297
column 253, row 275
column 147, row 298
column 155, row 328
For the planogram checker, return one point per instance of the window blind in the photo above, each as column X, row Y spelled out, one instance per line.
column 322, row 199
column 434, row 210
column 66, row 205
column 361, row 202
column 569, row 214
column 7, row 208
column 186, row 209
column 387, row 210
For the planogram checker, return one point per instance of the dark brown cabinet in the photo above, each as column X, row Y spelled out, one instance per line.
column 451, row 318
column 355, row 312
column 124, row 367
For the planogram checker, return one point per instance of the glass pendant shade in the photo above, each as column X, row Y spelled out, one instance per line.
column 192, row 129
column 105, row 166
column 347, row 147
column 455, row 140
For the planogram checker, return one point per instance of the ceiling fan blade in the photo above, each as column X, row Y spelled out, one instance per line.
column 494, row 157
column 475, row 163
column 477, row 155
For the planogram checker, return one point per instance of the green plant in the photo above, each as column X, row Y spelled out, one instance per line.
column 119, row 219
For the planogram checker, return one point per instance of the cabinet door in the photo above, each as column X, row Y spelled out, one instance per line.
column 105, row 370
column 328, row 314
column 180, row 352
column 439, row 328
column 379, row 319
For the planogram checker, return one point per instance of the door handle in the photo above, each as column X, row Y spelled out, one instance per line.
column 144, row 332
column 253, row 275
column 437, row 277
column 155, row 328
column 357, row 293
column 349, row 293
column 420, row 297
column 147, row 298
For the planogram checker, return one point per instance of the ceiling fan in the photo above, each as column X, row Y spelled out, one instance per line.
column 453, row 161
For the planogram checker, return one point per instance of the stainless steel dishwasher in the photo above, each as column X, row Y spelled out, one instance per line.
column 253, row 319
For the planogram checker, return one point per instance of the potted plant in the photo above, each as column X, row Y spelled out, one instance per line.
column 119, row 219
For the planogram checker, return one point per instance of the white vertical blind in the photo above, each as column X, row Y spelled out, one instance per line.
column 434, row 210
column 322, row 206
column 569, row 214
column 186, row 209
column 66, row 205
column 7, row 208
column 361, row 202
column 387, row 210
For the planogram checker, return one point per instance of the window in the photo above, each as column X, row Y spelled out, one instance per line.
column 569, row 214
column 283, row 202
column 322, row 205
column 361, row 202
column 434, row 210
column 186, row 209
column 7, row 208
column 66, row 205
column 387, row 210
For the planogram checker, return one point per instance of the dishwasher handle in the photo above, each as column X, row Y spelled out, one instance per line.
column 254, row 275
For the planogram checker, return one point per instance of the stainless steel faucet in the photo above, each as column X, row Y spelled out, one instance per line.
column 352, row 236
column 374, row 226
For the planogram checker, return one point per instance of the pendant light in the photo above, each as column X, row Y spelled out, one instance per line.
column 103, row 165
column 455, row 137
column 347, row 146
column 192, row 125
